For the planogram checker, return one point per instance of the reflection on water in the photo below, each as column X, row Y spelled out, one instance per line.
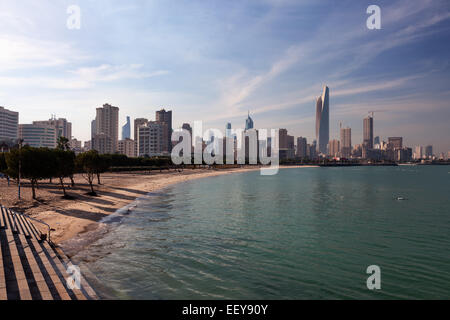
column 306, row 233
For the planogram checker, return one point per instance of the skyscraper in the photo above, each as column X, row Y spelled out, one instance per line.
column 9, row 124
column 165, row 119
column 107, row 124
column 346, row 142
column 38, row 135
column 368, row 132
column 248, row 122
column 63, row 127
column 429, row 152
column 334, row 148
column 323, row 120
column 301, row 147
column 126, row 130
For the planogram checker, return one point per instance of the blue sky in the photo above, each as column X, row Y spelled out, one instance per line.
column 215, row 60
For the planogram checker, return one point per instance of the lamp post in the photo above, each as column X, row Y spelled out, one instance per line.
column 20, row 164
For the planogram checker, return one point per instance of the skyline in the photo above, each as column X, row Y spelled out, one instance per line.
column 270, row 57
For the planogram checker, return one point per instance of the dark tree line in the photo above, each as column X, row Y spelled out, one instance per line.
column 42, row 163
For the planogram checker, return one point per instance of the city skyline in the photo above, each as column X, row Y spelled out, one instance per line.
column 402, row 68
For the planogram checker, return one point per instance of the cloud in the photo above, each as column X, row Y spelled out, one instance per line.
column 83, row 78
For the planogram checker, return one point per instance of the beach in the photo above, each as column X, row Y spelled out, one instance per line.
column 70, row 218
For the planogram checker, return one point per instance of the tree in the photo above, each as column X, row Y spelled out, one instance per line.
column 104, row 163
column 65, row 166
column 35, row 164
column 63, row 144
column 3, row 166
column 87, row 162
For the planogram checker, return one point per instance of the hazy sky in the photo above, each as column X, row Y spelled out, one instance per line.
column 215, row 60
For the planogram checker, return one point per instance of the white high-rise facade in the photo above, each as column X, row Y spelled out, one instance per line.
column 323, row 121
column 63, row 127
column 9, row 124
column 151, row 139
column 38, row 135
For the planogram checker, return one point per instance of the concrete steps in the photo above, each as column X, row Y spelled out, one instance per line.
column 32, row 268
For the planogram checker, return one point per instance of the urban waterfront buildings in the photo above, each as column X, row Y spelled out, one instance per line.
column 9, row 124
column 249, row 122
column 164, row 118
column 63, row 127
column 368, row 132
column 346, row 142
column 38, row 135
column 334, row 148
column 127, row 147
column 302, row 147
column 126, row 130
column 151, row 139
column 106, row 137
column 323, row 121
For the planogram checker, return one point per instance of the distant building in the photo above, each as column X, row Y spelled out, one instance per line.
column 126, row 130
column 38, row 135
column 151, row 140
column 127, row 147
column 9, row 124
column 93, row 129
column 323, row 121
column 334, row 148
column 75, row 146
column 302, row 148
column 63, row 127
column 376, row 140
column 248, row 122
column 368, row 132
column 228, row 130
column 187, row 127
column 87, row 146
column 346, row 142
column 418, row 152
column 165, row 119
column 137, row 123
column 395, row 143
column 107, row 128
column 102, row 143
column 428, row 152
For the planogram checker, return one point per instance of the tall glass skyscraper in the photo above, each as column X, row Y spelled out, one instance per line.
column 323, row 121
column 368, row 132
column 126, row 130
column 248, row 122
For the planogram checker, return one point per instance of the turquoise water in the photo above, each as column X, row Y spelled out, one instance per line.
column 307, row 233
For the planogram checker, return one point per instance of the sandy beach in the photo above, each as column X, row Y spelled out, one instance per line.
column 70, row 218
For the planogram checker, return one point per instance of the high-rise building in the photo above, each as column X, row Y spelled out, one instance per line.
column 151, row 140
column 165, row 118
column 334, row 148
column 107, row 124
column 126, row 130
column 248, row 122
column 323, row 121
column 93, row 129
column 368, row 132
column 283, row 139
column 63, row 127
column 376, row 141
column 228, row 130
column 418, row 152
column 395, row 143
column 38, row 135
column 429, row 152
column 9, row 124
column 127, row 147
column 346, row 142
column 75, row 146
column 137, row 123
column 301, row 147
column 102, row 143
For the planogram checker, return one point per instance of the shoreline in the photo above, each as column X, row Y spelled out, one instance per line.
column 74, row 219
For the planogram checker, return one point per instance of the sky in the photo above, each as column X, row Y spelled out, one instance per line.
column 214, row 61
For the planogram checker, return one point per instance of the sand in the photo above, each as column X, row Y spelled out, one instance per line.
column 70, row 218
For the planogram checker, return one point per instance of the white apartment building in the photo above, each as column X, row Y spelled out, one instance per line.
column 127, row 147
column 9, row 124
column 150, row 139
column 38, row 135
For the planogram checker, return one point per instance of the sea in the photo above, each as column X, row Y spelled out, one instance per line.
column 305, row 233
